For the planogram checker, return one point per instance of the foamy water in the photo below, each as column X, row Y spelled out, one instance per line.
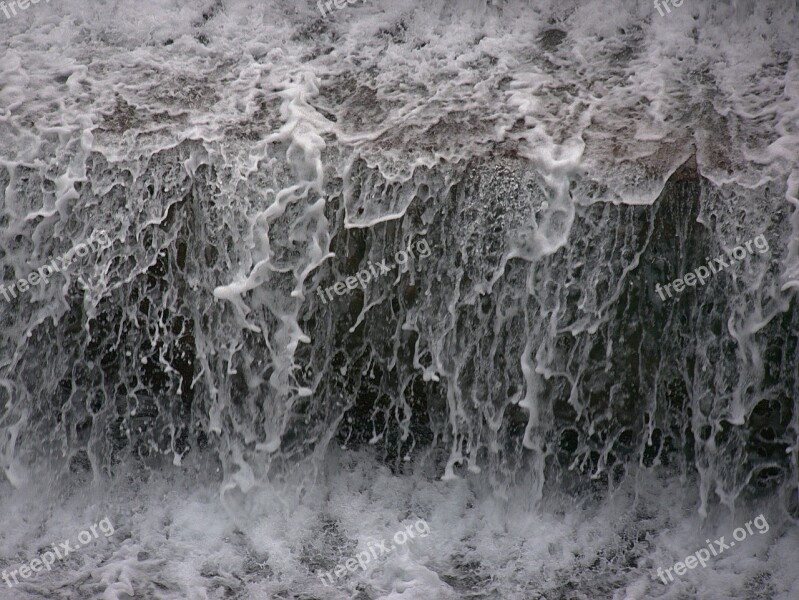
column 522, row 389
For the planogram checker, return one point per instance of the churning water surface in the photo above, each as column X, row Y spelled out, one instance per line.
column 399, row 266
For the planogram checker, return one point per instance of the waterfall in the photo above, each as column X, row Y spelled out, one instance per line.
column 392, row 262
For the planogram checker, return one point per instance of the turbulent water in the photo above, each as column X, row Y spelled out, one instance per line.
column 402, row 263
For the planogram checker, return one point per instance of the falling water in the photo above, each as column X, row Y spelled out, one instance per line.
column 249, row 414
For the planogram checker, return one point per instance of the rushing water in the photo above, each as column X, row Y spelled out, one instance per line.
column 400, row 263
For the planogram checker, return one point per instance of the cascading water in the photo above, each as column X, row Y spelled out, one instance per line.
column 399, row 261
